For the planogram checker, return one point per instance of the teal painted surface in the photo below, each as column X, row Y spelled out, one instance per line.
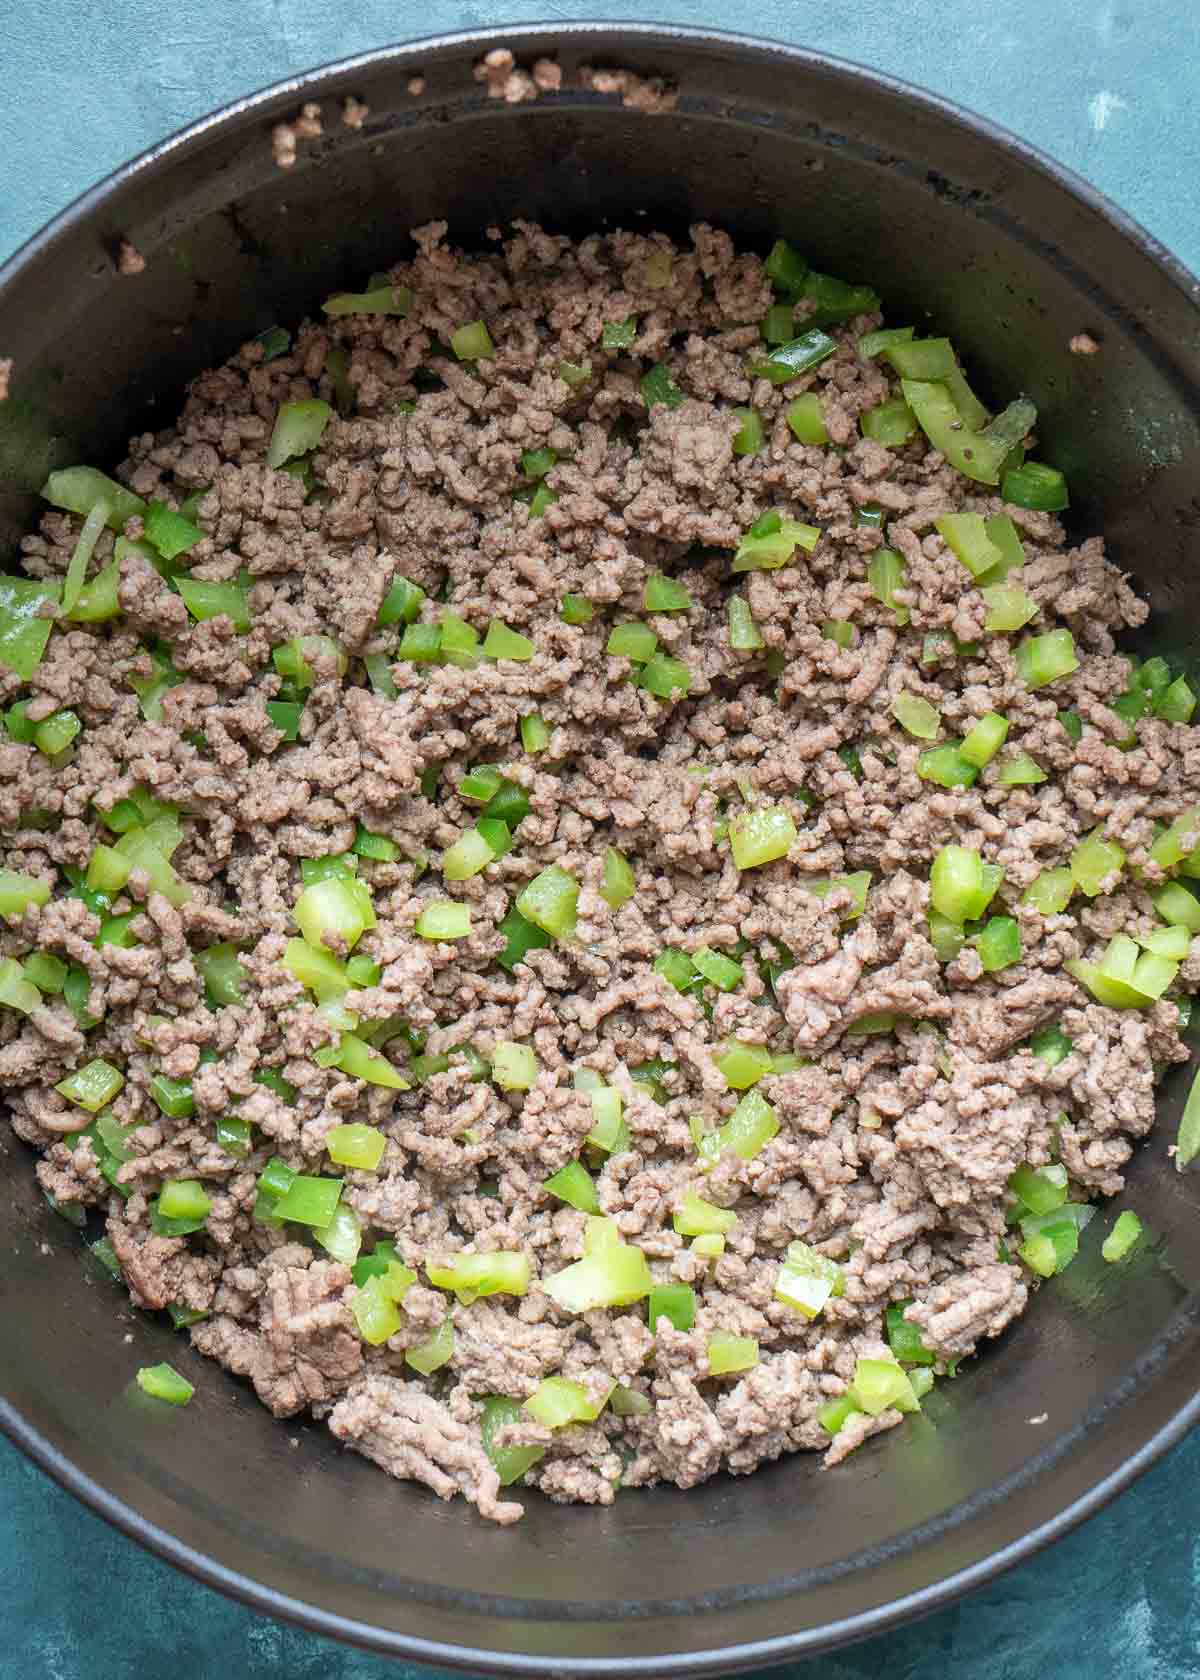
column 1115, row 1601
column 1106, row 87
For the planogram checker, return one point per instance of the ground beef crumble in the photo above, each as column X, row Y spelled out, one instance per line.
column 894, row 1148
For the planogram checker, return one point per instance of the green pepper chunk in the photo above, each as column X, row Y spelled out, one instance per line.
column 298, row 429
column 509, row 1463
column 886, row 573
column 1096, row 863
column 1177, row 703
column 521, row 936
column 619, row 335
column 916, row 716
column 275, row 341
column 836, row 300
column 171, row 533
column 481, row 783
column 1033, row 485
column 934, row 359
column 760, row 835
column 503, row 643
column 1050, row 892
column 173, row 1096
column 808, row 1279
column 469, row 854
column 1008, row 609
column 1174, row 903
column 905, row 1339
column 514, row 1066
column 665, row 594
column 93, row 1085
column 550, row 900
column 873, row 344
column 222, row 973
column 676, row 1302
column 879, row 1384
column 56, row 733
column 509, row 804
column 1020, row 770
column 286, row 715
column 470, row 1276
column 18, row 725
column 375, row 846
column 973, row 453
column 614, row 1276
column 17, row 990
column 576, row 609
column 666, row 678
column 98, row 600
column 340, row 866
column 947, row 766
column 619, row 883
column 402, row 603
column 81, row 489
column 23, row 632
column 778, row 325
column 718, row 970
column 676, row 968
column 891, row 424
column 744, row 634
column 798, row 356
column 1053, row 1045
column 785, row 267
column 421, row 643
column 308, row 1200
column 999, row 944
column 1187, row 1143
column 384, row 299
column 536, row 463
column 1044, row 659
column 658, row 388
column 472, row 342
column 750, row 435
column 633, row 641
column 234, row 1136
column 76, row 993
column 163, row 1382
column 443, row 920
column 961, row 885
column 965, row 534
column 150, row 690
column 574, row 1185
column 45, row 971
column 292, row 659
column 1126, row 1232
column 432, row 1351
column 806, row 420
column 742, row 1064
column 117, row 930
column 272, row 1080
column 184, row 1198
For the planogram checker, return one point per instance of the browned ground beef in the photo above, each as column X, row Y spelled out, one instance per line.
column 893, row 1150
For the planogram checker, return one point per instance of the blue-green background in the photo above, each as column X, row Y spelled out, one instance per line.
column 1107, row 87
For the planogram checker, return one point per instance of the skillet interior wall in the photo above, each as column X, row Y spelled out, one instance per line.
column 954, row 238
column 941, row 234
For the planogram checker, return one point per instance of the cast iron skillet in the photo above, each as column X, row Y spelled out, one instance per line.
column 962, row 227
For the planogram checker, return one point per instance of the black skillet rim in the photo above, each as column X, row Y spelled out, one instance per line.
column 750, row 1653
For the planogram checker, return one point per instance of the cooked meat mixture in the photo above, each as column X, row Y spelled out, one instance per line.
column 584, row 902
